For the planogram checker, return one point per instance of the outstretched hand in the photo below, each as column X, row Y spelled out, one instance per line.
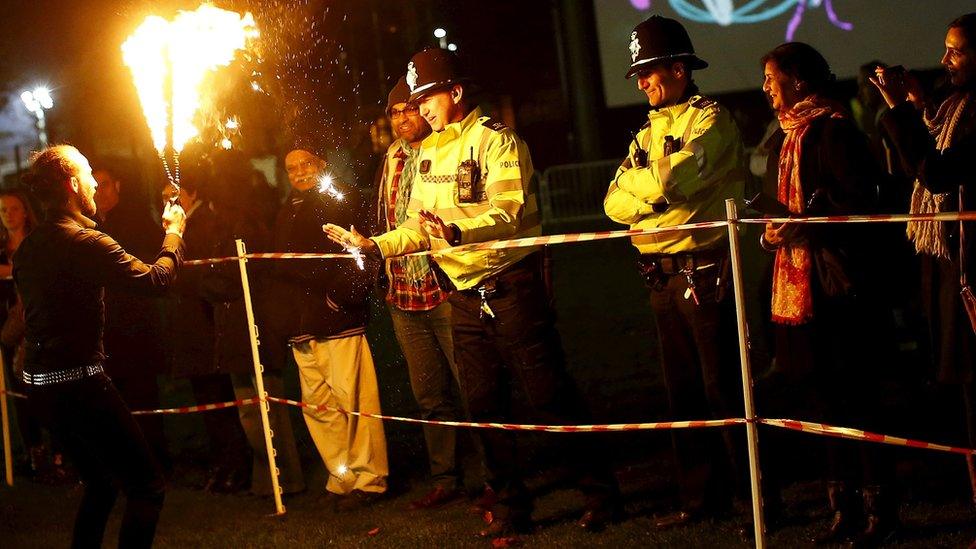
column 348, row 239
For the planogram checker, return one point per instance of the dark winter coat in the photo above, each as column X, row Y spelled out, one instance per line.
column 319, row 298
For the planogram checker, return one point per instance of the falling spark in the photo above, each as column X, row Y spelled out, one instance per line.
column 357, row 256
column 342, row 470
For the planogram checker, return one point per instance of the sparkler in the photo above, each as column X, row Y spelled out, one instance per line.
column 170, row 60
column 327, row 186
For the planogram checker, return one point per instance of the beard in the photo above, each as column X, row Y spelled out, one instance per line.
column 88, row 207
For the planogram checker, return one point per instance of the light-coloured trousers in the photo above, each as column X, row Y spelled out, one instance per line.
column 339, row 373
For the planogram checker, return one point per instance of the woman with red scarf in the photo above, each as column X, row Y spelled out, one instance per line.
column 826, row 328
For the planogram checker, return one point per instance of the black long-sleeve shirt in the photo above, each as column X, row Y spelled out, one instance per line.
column 61, row 270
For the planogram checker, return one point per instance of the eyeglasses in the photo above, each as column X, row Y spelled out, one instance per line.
column 409, row 110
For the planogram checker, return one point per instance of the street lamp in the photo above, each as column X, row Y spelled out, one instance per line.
column 37, row 102
column 441, row 36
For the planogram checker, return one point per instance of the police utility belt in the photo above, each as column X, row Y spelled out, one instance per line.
column 63, row 376
column 526, row 269
column 659, row 267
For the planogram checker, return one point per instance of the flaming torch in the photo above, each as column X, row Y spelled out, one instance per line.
column 169, row 61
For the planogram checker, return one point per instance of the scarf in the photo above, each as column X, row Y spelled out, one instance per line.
column 792, row 291
column 414, row 268
column 930, row 236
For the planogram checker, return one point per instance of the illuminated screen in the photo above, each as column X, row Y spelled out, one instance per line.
column 732, row 35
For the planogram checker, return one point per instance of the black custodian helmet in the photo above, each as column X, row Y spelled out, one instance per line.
column 433, row 69
column 658, row 39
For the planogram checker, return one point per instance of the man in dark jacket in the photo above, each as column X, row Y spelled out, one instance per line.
column 134, row 349
column 193, row 336
column 61, row 271
column 328, row 335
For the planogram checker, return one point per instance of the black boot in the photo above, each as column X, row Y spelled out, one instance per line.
column 843, row 521
column 880, row 517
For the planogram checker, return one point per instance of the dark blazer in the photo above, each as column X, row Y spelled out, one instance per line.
column 134, row 323
column 320, row 298
column 191, row 322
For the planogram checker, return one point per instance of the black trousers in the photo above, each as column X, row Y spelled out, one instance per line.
column 700, row 361
column 229, row 450
column 105, row 443
column 142, row 393
column 520, row 347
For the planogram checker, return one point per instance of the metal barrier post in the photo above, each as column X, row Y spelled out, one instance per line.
column 732, row 217
column 8, row 460
column 259, row 379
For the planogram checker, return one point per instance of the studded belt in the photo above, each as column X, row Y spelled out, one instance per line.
column 63, row 376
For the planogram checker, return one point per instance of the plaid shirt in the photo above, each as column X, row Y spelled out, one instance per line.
column 404, row 294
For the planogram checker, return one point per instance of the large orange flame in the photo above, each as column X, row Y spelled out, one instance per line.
column 181, row 53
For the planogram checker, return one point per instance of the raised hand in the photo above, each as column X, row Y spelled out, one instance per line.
column 434, row 226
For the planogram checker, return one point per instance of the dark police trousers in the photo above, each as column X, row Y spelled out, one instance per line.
column 520, row 347
column 104, row 442
column 700, row 361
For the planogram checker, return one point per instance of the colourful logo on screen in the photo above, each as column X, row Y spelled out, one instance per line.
column 725, row 12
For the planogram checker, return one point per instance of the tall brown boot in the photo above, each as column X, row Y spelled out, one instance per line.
column 844, row 517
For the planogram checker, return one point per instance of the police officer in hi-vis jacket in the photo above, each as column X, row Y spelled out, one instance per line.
column 681, row 167
column 474, row 184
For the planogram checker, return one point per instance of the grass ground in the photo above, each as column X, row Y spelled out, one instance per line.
column 609, row 337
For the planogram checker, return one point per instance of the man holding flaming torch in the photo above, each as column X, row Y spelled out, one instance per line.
column 61, row 271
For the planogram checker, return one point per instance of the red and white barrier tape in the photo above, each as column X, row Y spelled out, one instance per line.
column 791, row 424
column 857, row 434
column 882, row 218
column 527, row 242
column 13, row 394
column 523, row 427
column 606, row 235
column 200, row 407
column 268, row 256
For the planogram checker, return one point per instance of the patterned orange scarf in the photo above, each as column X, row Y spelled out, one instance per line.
column 792, row 293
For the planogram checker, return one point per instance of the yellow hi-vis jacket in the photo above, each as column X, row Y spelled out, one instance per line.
column 506, row 208
column 688, row 186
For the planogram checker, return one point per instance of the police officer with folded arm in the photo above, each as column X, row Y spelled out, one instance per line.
column 681, row 167
column 474, row 184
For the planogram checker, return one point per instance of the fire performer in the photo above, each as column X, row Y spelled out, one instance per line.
column 681, row 167
column 474, row 184
column 61, row 271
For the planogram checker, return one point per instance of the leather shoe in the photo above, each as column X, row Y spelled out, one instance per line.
column 437, row 497
column 485, row 503
column 355, row 500
column 679, row 518
column 500, row 528
column 596, row 520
